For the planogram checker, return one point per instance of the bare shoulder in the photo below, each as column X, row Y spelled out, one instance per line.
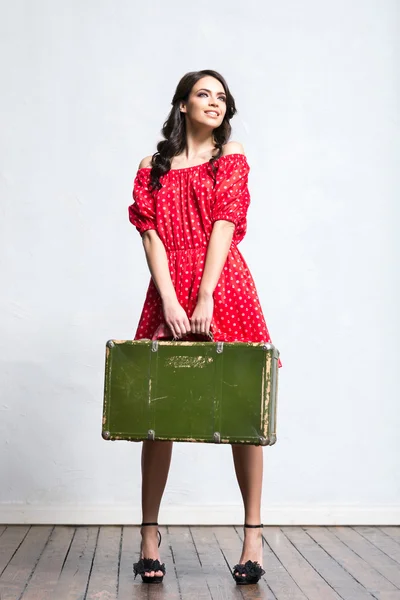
column 145, row 162
column 232, row 148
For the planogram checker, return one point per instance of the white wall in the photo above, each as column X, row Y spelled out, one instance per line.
column 85, row 88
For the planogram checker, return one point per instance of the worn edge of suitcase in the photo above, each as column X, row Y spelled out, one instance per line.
column 271, row 389
column 273, row 392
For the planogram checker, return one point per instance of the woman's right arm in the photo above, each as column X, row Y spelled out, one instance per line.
column 157, row 260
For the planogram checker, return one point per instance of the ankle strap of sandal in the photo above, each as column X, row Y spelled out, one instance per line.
column 261, row 525
column 144, row 524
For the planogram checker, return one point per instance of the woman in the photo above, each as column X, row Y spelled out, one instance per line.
column 190, row 205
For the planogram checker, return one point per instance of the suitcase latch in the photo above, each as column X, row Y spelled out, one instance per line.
column 220, row 347
column 154, row 345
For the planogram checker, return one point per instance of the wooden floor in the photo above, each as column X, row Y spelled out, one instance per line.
column 95, row 563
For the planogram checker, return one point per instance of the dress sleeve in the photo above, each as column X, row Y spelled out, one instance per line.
column 142, row 213
column 232, row 196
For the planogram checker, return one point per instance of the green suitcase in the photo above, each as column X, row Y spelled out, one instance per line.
column 190, row 391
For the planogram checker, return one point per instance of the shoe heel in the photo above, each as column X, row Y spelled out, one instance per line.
column 147, row 579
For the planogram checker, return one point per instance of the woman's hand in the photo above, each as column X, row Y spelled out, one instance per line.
column 202, row 314
column 176, row 318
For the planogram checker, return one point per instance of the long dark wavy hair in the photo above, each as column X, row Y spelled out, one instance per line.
column 174, row 128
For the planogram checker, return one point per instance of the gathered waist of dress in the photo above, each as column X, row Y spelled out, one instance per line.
column 197, row 250
column 192, row 250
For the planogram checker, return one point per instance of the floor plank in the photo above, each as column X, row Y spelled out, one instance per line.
column 12, row 538
column 370, row 553
column 15, row 578
column 169, row 589
column 231, row 546
column 393, row 532
column 48, row 568
column 2, row 529
column 192, row 583
column 103, row 582
column 74, row 577
column 127, row 588
column 382, row 541
column 333, row 573
column 373, row 581
column 309, row 581
column 213, row 563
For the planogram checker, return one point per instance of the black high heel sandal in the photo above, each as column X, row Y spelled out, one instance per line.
column 145, row 565
column 251, row 569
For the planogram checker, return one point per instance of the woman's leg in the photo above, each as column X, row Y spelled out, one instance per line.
column 248, row 461
column 156, row 459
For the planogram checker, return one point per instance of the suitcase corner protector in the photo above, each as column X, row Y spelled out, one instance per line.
column 264, row 441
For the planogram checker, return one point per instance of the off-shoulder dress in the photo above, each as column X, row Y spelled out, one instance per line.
column 183, row 212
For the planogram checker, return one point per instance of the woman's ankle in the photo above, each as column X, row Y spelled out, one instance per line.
column 151, row 529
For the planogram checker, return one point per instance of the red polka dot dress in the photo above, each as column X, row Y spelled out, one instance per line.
column 183, row 212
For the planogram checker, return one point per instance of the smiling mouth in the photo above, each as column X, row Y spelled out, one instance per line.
column 211, row 113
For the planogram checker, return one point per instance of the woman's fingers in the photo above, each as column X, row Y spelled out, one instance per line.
column 180, row 327
column 176, row 318
column 201, row 325
column 178, row 322
column 175, row 331
column 202, row 316
column 187, row 324
column 207, row 326
column 195, row 325
column 184, row 326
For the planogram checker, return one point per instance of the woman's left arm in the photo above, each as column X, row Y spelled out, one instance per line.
column 217, row 252
column 228, row 215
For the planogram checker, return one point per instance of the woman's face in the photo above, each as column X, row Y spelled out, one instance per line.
column 206, row 104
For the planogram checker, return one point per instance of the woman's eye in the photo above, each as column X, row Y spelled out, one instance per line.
column 205, row 94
